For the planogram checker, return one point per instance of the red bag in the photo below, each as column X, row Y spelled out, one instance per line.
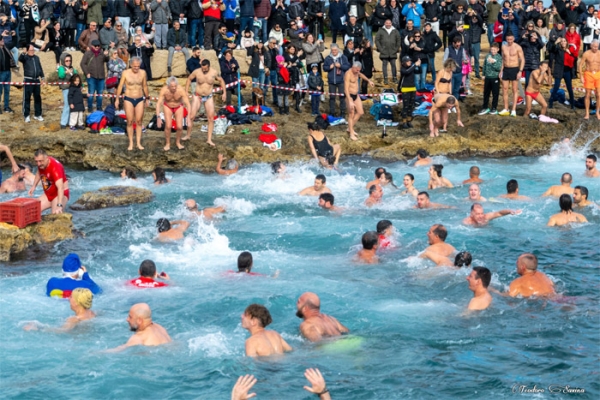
column 112, row 82
column 269, row 127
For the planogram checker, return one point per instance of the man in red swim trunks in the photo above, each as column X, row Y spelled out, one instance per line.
column 172, row 99
column 148, row 275
column 54, row 181
column 532, row 92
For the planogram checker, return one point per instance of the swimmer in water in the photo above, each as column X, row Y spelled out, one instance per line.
column 207, row 213
column 387, row 179
column 148, row 275
column 375, row 195
column 479, row 218
column 475, row 193
column 436, row 237
column 317, row 189
column 590, row 166
column 385, row 230
column 278, row 169
column 316, row 325
column 564, row 188
column 436, row 180
column 16, row 183
column 580, row 197
column 512, row 191
column 326, row 201
column 81, row 304
column 370, row 243
column 159, row 176
column 261, row 342
column 147, row 333
column 479, row 279
column 408, row 182
column 423, row 158
column 423, row 202
column 473, row 176
column 231, row 168
column 462, row 259
column 245, row 262
column 566, row 214
column 531, row 282
column 128, row 173
column 169, row 231
column 378, row 172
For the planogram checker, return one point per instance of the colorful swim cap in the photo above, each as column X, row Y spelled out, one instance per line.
column 71, row 263
column 279, row 59
column 83, row 297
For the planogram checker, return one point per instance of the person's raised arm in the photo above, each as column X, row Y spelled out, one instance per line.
column 6, row 149
column 501, row 213
column 242, row 387
column 318, row 386
column 220, row 171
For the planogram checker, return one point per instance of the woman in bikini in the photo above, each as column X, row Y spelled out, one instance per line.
column 443, row 80
column 321, row 148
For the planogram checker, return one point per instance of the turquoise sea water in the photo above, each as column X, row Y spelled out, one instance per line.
column 417, row 340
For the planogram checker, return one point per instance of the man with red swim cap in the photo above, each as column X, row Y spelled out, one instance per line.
column 54, row 181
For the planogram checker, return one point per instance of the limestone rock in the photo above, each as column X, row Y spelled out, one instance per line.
column 112, row 196
column 52, row 228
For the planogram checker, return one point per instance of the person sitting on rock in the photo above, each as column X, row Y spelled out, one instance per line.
column 74, row 276
column 177, row 42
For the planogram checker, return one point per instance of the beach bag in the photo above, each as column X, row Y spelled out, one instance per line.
column 112, row 82
column 221, row 124
column 374, row 110
column 386, row 113
column 388, row 97
column 109, row 113
column 96, row 121
column 35, row 14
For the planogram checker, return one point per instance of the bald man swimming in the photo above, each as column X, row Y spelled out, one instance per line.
column 316, row 326
column 531, row 282
column 147, row 333
column 564, row 188
column 479, row 218
column 208, row 212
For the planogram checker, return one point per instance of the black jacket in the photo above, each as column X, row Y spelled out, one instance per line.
column 144, row 53
column 355, row 32
column 432, row 42
column 360, row 8
column 76, row 98
column 446, row 20
column 432, row 10
column 531, row 51
column 69, row 14
column 407, row 77
column 254, row 69
column 475, row 28
column 6, row 60
column 229, row 69
column 32, row 68
column 194, row 11
column 139, row 16
column 171, row 42
column 122, row 9
column 380, row 14
column 366, row 59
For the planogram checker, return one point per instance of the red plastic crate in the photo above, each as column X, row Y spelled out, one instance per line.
column 21, row 212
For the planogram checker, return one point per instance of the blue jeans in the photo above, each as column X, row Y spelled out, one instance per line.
column 64, row 117
column 475, row 51
column 273, row 80
column 421, row 77
column 5, row 77
column 95, row 86
column 196, row 32
column 456, row 83
column 368, row 31
column 315, row 102
column 80, row 28
column 490, row 33
column 432, row 65
column 527, row 75
column 260, row 80
column 245, row 22
column 263, row 29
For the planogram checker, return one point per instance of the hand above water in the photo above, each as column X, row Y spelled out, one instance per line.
column 242, row 386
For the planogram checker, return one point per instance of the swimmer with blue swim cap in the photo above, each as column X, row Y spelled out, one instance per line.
column 316, row 326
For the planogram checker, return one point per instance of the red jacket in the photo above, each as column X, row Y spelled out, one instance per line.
column 574, row 41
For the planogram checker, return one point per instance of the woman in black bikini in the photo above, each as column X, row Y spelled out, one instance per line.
column 443, row 81
column 324, row 152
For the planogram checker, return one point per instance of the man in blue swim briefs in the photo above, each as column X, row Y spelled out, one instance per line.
column 316, row 325
column 205, row 77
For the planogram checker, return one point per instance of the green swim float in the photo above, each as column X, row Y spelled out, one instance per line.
column 343, row 345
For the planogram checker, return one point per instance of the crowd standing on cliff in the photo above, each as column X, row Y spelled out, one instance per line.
column 284, row 43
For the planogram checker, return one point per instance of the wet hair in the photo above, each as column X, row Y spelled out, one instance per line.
column 148, row 268
column 484, row 275
column 232, row 164
column 383, row 225
column 592, row 157
column 163, row 225
column 422, row 153
column 321, row 177
column 565, row 202
column 379, row 171
column 130, row 173
column 474, row 170
column 441, row 232
column 438, row 169
column 205, row 63
column 327, row 197
column 40, row 152
column 27, row 165
column 369, row 240
column 583, row 190
column 475, row 205
column 245, row 261
column 159, row 173
column 566, row 178
column 463, row 259
column 390, row 178
column 530, row 260
column 411, row 176
column 372, row 189
column 512, row 186
column 276, row 166
column 259, row 312
column 423, row 193
column 83, row 297
column 451, row 100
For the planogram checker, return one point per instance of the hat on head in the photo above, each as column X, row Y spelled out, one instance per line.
column 406, row 59
column 71, row 263
column 95, row 43
column 314, row 66
column 279, row 59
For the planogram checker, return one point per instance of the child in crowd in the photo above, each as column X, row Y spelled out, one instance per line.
column 283, row 81
column 491, row 71
column 248, row 43
column 76, row 103
column 315, row 82
column 407, row 87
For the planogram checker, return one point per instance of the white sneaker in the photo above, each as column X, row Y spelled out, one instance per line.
column 204, row 128
column 535, row 103
column 27, row 120
column 38, row 118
